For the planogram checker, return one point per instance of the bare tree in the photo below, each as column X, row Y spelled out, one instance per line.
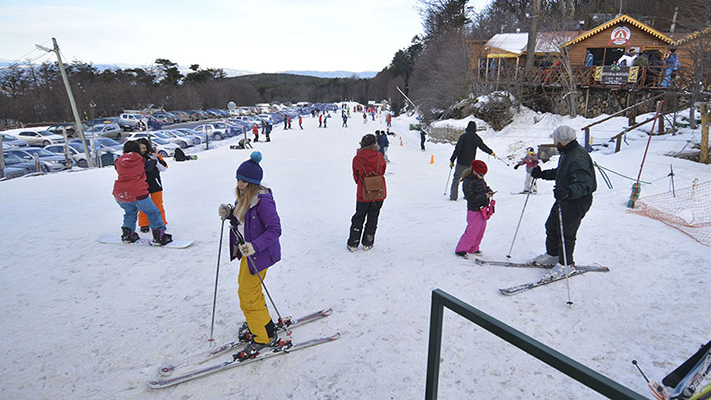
column 442, row 74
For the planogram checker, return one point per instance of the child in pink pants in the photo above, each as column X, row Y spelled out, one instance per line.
column 479, row 208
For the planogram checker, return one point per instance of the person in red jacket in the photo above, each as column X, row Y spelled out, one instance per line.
column 131, row 194
column 368, row 161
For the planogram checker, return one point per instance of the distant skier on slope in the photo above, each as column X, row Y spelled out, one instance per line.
column 530, row 160
column 254, row 212
column 574, row 185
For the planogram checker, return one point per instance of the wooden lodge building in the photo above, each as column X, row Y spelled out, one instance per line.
column 594, row 60
column 505, row 55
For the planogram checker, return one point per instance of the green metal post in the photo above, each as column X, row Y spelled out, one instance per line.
column 435, row 347
column 553, row 358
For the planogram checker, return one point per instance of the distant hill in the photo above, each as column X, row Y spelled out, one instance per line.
column 333, row 74
column 231, row 72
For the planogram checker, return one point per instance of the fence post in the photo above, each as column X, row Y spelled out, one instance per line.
column 435, row 347
column 705, row 122
column 588, row 146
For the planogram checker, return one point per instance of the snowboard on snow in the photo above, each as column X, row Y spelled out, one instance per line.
column 175, row 244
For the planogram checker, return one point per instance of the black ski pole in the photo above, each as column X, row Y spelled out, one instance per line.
column 240, row 239
column 565, row 254
column 533, row 182
column 217, row 276
column 449, row 175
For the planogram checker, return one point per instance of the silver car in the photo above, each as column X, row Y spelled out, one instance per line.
column 39, row 138
column 12, row 142
column 49, row 161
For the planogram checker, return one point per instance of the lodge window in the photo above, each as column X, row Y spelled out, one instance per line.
column 606, row 55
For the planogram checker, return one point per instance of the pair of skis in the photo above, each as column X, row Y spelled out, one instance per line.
column 166, row 371
column 687, row 378
column 578, row 270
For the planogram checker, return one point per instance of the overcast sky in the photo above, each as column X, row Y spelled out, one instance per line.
column 251, row 35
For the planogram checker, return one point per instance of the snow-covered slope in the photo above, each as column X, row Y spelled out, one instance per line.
column 87, row 320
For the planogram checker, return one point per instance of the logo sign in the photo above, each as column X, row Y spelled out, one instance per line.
column 620, row 35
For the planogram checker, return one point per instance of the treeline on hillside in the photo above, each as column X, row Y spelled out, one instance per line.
column 434, row 70
column 36, row 94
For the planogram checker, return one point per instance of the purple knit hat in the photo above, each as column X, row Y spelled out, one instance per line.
column 250, row 171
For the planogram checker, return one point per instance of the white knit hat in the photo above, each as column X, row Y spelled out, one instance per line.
column 564, row 134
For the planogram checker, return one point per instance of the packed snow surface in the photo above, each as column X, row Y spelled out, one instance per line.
column 82, row 319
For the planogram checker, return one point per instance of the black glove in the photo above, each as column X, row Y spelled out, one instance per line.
column 561, row 193
column 536, row 173
column 516, row 166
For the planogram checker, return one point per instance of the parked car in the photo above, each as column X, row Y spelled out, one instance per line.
column 214, row 131
column 12, row 142
column 15, row 161
column 162, row 146
column 76, row 152
column 187, row 140
column 39, row 138
column 134, row 118
column 237, row 128
column 12, row 172
column 197, row 137
column 125, row 125
column 102, row 143
column 49, row 161
column 106, row 130
column 180, row 141
column 70, row 127
column 163, row 117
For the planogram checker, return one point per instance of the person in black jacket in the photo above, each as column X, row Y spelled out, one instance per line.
column 464, row 153
column 154, row 166
column 574, row 185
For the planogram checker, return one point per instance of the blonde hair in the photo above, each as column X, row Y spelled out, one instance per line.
column 465, row 174
column 245, row 199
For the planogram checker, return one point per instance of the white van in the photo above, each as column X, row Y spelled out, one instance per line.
column 134, row 118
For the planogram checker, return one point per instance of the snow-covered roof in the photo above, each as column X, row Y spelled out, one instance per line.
column 514, row 44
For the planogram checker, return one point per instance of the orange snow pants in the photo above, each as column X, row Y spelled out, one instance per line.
column 157, row 198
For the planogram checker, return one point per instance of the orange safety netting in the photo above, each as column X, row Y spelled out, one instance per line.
column 688, row 210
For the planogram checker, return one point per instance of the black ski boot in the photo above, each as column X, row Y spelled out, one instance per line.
column 244, row 334
column 161, row 238
column 253, row 348
column 145, row 229
column 128, row 235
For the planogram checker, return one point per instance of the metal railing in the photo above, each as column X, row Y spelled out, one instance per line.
column 553, row 358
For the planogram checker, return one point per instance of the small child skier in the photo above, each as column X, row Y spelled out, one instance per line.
column 480, row 206
column 531, row 162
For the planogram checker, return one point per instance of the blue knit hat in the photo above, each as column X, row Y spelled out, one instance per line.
column 250, row 171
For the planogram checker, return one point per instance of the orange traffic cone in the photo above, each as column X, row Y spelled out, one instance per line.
column 400, row 141
column 432, row 159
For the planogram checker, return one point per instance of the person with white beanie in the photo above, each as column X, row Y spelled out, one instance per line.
column 574, row 185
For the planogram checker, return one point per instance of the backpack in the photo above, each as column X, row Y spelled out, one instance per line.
column 373, row 184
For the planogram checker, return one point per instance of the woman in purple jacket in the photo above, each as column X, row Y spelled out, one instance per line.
column 255, row 216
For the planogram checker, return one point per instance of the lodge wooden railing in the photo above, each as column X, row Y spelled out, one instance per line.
column 648, row 78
